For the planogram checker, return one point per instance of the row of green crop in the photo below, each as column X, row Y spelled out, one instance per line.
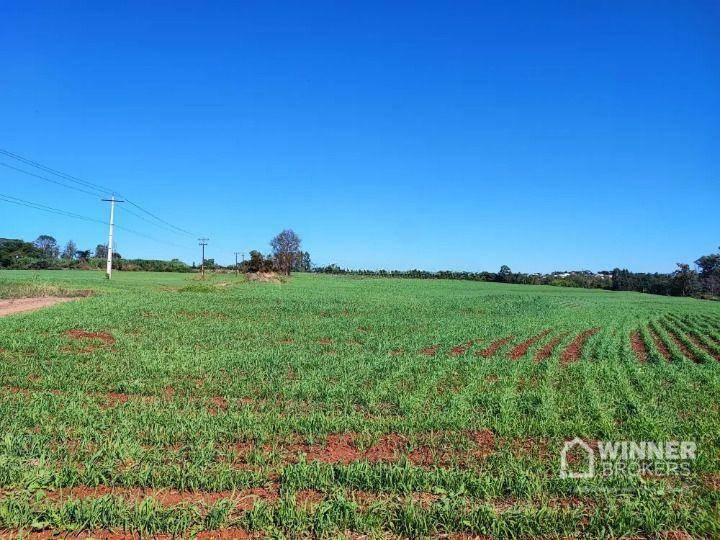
column 622, row 516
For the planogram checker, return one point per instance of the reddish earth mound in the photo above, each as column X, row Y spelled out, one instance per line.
column 105, row 337
column 659, row 343
column 638, row 346
column 493, row 348
column 547, row 350
column 430, row 351
column 573, row 351
column 520, row 350
column 461, row 349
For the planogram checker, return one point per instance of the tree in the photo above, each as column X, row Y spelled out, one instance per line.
column 302, row 262
column 83, row 255
column 48, row 245
column 69, row 251
column 101, row 251
column 505, row 274
column 257, row 263
column 286, row 250
column 685, row 281
column 710, row 272
column 15, row 251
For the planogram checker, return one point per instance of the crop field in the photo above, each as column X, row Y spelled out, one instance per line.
column 328, row 406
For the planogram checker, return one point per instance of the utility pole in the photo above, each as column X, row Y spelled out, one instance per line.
column 112, row 201
column 237, row 269
column 203, row 242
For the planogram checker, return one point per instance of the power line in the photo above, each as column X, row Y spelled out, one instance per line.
column 58, row 211
column 125, row 209
column 56, row 172
column 94, row 194
column 46, row 179
column 87, row 184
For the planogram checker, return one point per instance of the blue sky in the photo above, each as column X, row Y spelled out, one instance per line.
column 542, row 135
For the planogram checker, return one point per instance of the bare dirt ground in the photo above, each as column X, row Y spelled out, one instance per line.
column 18, row 305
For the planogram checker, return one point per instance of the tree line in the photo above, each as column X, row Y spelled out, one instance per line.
column 44, row 253
column 684, row 281
column 287, row 256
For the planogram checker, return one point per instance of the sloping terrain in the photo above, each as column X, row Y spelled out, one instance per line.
column 332, row 405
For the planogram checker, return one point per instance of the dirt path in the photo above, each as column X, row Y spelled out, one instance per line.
column 18, row 305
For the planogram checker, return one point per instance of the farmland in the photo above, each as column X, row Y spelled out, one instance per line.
column 329, row 405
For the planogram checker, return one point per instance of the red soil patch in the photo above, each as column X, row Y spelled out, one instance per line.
column 397, row 352
column 244, row 499
column 105, row 337
column 573, row 351
column 659, row 344
column 715, row 354
column 309, row 497
column 218, row 404
column 520, row 350
column 493, row 348
column 325, row 341
column 683, row 348
column 430, row 351
column 676, row 535
column 19, row 305
column 461, row 349
column 342, row 448
column 387, row 448
column 638, row 346
column 339, row 448
column 287, row 341
column 546, row 351
column 225, row 534
column 712, row 481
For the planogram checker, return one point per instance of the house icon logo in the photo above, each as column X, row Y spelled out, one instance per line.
column 583, row 447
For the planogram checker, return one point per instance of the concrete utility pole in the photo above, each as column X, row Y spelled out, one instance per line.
column 203, row 242
column 112, row 201
column 237, row 269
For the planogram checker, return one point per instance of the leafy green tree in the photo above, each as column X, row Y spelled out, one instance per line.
column 16, row 253
column 685, row 281
column 710, row 273
column 505, row 274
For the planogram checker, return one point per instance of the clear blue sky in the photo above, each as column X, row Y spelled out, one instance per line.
column 461, row 135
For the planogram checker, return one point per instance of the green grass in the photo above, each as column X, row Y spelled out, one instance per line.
column 227, row 387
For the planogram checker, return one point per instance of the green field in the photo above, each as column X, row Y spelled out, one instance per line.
column 338, row 405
